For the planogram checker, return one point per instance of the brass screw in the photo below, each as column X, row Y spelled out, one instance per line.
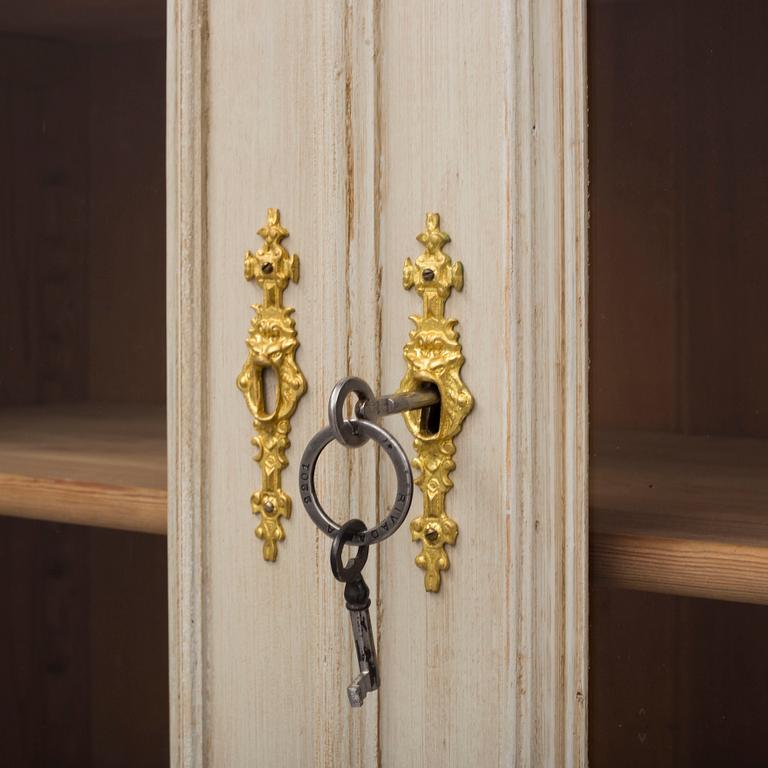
column 269, row 507
column 432, row 535
column 428, row 275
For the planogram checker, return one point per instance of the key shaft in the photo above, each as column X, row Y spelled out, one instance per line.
column 357, row 598
column 397, row 403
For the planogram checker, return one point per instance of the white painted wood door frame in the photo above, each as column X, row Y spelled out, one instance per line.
column 363, row 116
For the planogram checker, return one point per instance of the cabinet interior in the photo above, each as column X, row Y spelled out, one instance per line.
column 678, row 117
column 82, row 389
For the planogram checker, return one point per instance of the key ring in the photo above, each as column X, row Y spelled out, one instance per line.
column 355, row 566
column 394, row 518
column 368, row 407
column 345, row 430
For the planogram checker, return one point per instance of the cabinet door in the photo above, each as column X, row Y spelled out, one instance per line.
column 356, row 119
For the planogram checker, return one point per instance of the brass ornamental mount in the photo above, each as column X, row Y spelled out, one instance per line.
column 272, row 344
column 434, row 358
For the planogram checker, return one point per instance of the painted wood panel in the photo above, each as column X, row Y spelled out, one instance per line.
column 280, row 134
column 356, row 119
column 463, row 134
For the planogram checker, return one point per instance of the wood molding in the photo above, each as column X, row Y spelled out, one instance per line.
column 547, row 394
column 542, row 414
column 186, row 322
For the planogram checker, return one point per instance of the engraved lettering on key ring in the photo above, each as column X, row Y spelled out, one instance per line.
column 398, row 511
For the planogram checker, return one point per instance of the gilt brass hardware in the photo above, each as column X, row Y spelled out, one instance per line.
column 272, row 344
column 434, row 359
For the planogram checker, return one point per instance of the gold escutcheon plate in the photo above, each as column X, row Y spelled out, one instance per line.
column 272, row 344
column 434, row 359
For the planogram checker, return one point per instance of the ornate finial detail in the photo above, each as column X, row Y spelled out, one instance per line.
column 433, row 237
column 271, row 343
column 272, row 266
column 434, row 274
column 434, row 357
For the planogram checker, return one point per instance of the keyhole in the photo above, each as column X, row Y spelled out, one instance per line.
column 429, row 420
column 269, row 389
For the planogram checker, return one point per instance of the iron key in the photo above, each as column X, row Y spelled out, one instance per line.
column 356, row 597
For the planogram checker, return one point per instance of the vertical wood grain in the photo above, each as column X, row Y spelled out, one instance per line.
column 483, row 120
column 287, row 107
column 362, row 274
column 355, row 120
column 187, row 428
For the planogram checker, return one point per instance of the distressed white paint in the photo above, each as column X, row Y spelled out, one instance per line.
column 355, row 119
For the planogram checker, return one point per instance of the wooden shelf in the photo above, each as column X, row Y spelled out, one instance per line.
column 681, row 515
column 669, row 513
column 100, row 465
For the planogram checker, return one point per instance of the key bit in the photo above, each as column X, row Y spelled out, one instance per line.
column 359, row 690
column 357, row 598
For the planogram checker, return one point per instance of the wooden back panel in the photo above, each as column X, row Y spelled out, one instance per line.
column 678, row 270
